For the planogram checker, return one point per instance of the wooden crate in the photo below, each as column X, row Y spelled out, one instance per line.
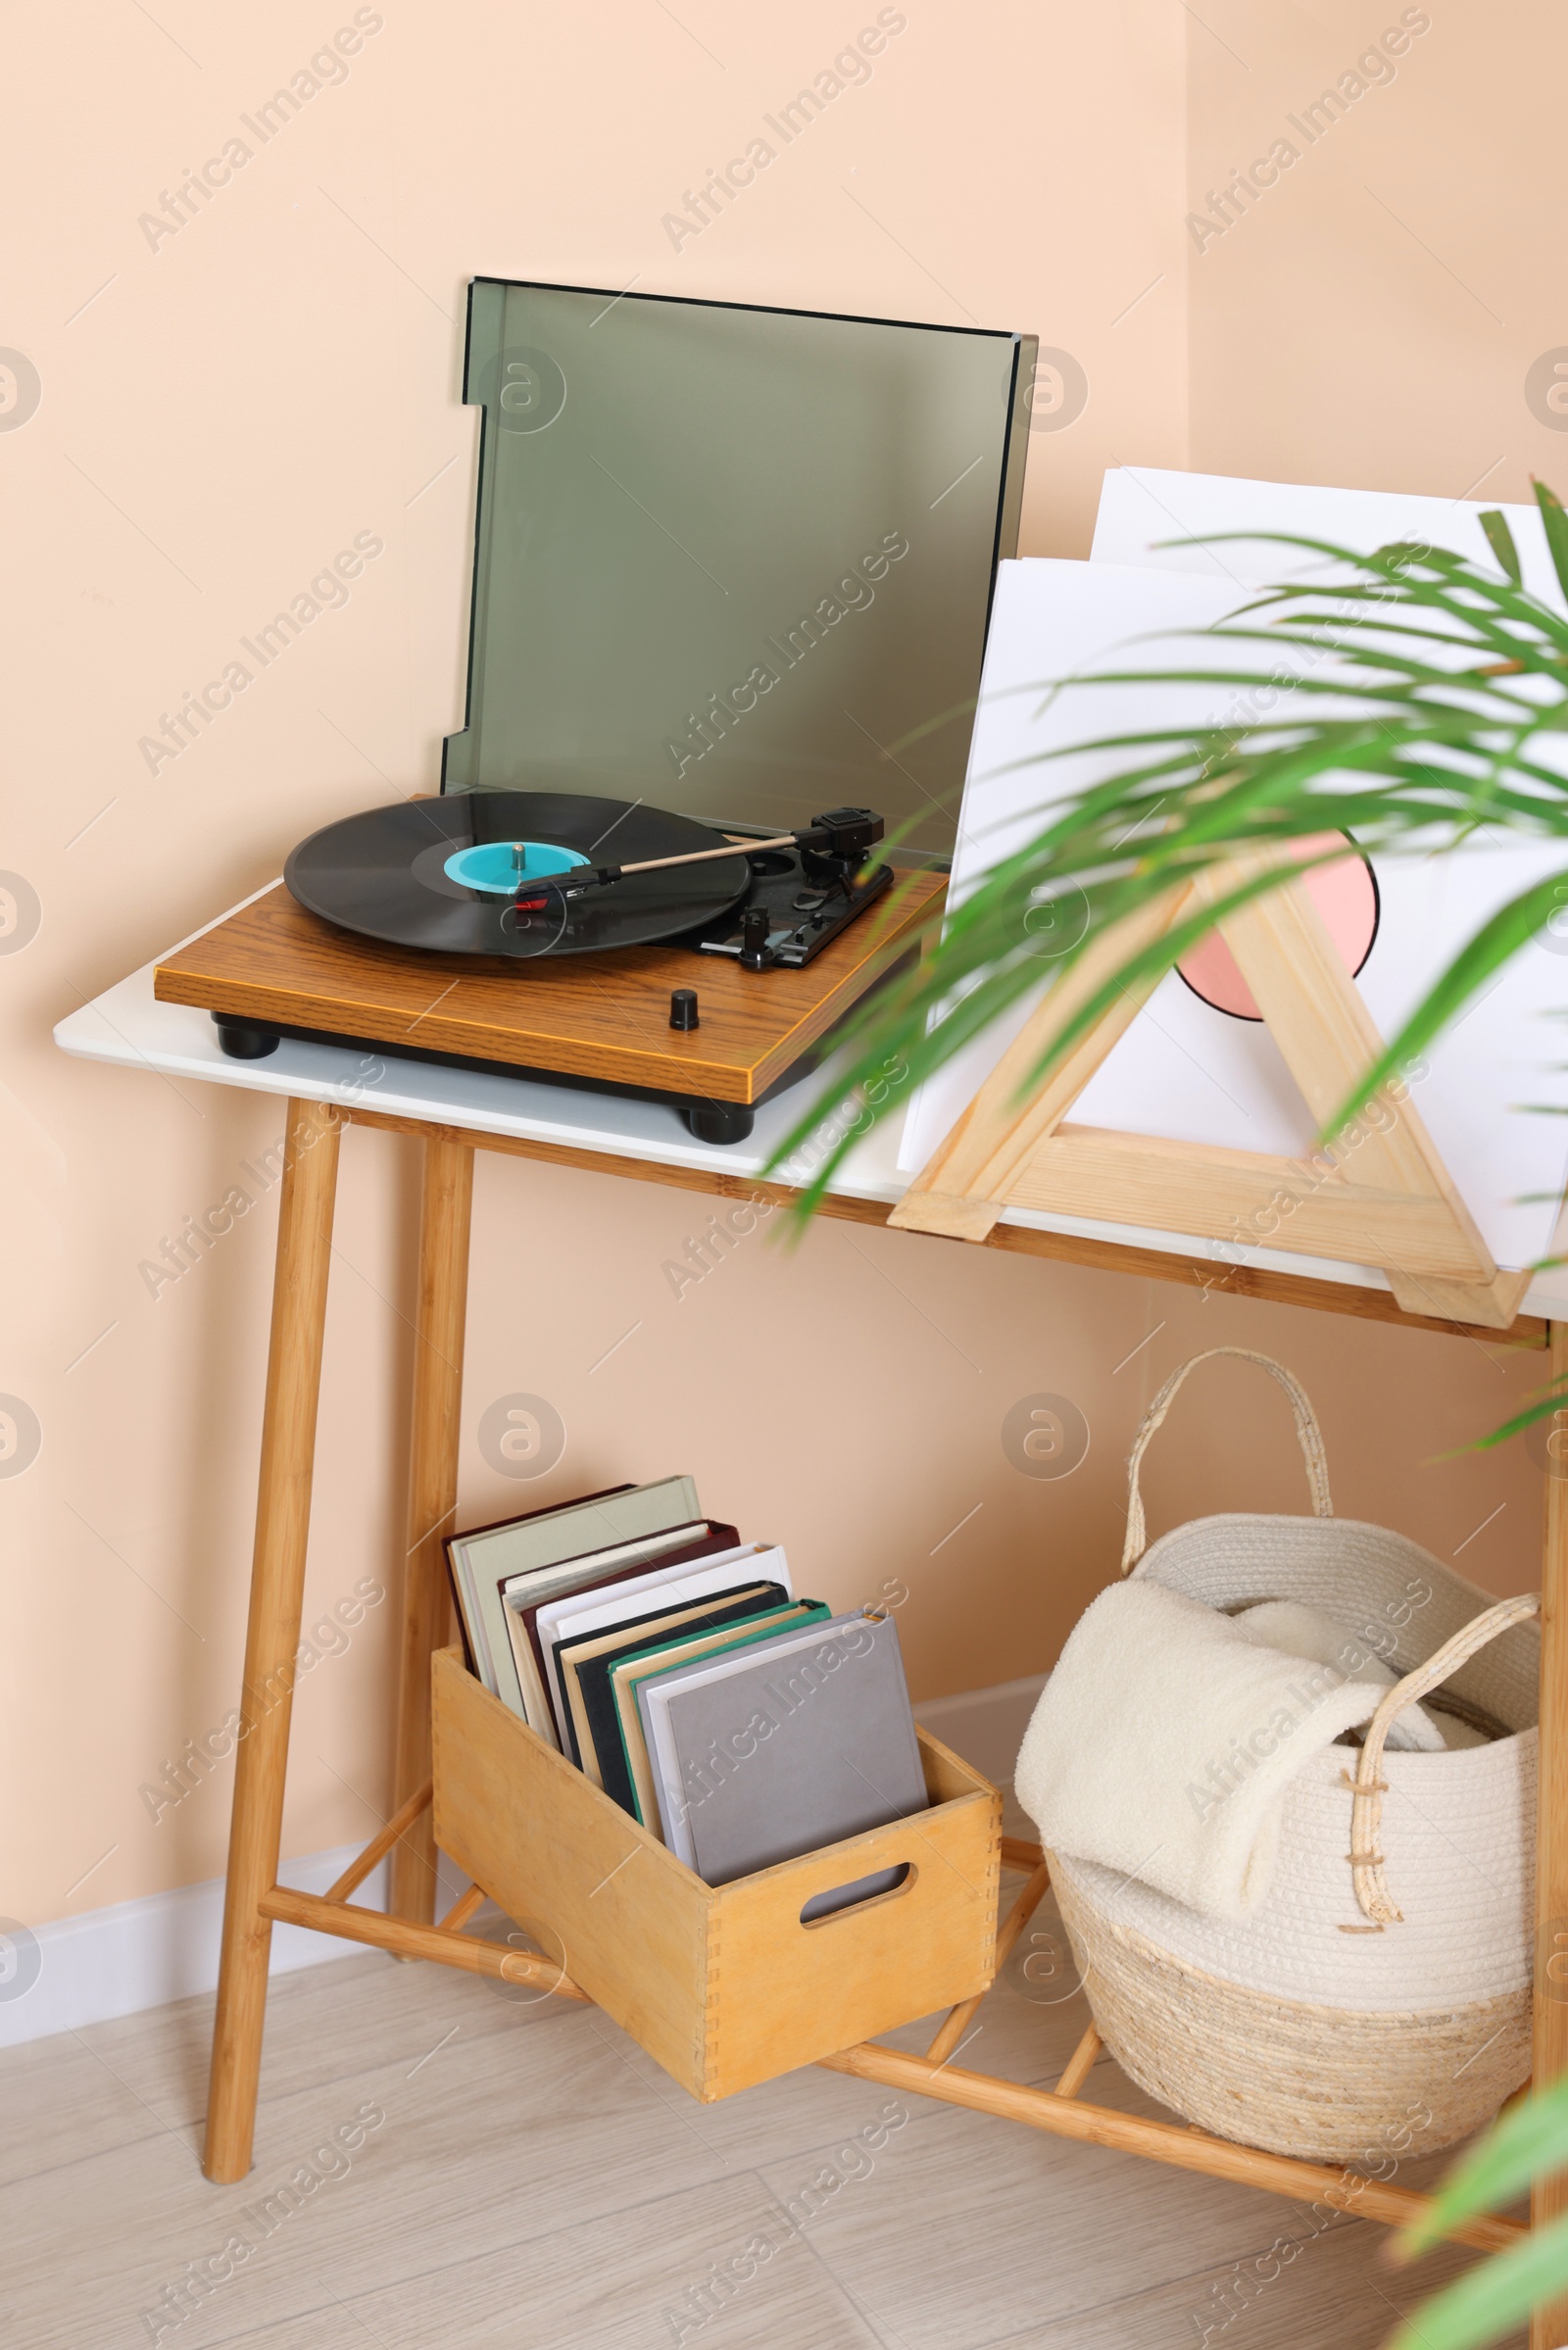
column 722, row 1985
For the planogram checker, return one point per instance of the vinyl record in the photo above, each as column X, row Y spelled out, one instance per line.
column 384, row 874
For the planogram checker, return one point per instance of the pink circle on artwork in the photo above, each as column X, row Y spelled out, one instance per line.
column 1344, row 894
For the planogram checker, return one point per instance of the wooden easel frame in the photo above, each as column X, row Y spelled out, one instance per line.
column 1381, row 1196
column 255, row 1899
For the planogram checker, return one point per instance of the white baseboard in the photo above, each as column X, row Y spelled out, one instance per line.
column 140, row 1954
column 985, row 1726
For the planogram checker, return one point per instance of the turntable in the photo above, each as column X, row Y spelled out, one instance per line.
column 537, row 983
column 781, row 525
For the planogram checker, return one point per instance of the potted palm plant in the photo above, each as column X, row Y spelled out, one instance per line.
column 1449, row 681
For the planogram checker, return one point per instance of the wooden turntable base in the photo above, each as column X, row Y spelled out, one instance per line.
column 604, row 1018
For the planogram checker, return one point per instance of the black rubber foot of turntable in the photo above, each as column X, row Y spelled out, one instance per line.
column 719, row 1121
column 244, row 1039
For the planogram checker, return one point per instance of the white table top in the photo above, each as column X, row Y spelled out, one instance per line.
column 127, row 1027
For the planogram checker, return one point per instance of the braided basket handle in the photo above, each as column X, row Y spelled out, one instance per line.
column 1366, row 1810
column 1306, row 1428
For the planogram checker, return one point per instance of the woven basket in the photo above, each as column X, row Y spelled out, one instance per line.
column 1379, row 1999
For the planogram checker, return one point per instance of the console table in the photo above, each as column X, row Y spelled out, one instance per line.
column 456, row 1111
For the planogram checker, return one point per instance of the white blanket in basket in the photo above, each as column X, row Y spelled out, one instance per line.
column 1165, row 1740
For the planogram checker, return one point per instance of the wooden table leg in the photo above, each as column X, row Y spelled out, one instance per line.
column 1548, row 2328
column 439, row 1323
column 272, row 1634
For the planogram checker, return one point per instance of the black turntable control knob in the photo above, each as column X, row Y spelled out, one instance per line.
column 683, row 1007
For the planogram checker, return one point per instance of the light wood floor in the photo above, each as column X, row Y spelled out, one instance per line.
column 537, row 2183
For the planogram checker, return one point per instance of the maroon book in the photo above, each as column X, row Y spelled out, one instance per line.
column 707, row 1545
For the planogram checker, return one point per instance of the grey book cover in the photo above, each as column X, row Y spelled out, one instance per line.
column 810, row 1741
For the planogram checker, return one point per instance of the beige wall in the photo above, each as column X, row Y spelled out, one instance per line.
column 1371, row 318
column 219, row 416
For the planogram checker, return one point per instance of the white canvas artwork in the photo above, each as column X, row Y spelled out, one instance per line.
column 1185, row 1071
column 1141, row 505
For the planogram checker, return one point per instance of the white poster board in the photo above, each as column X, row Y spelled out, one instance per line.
column 1140, row 505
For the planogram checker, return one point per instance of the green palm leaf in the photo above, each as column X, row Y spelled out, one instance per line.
column 1397, row 747
column 1524, row 2145
column 1490, row 2300
column 1500, row 538
column 1530, row 2139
